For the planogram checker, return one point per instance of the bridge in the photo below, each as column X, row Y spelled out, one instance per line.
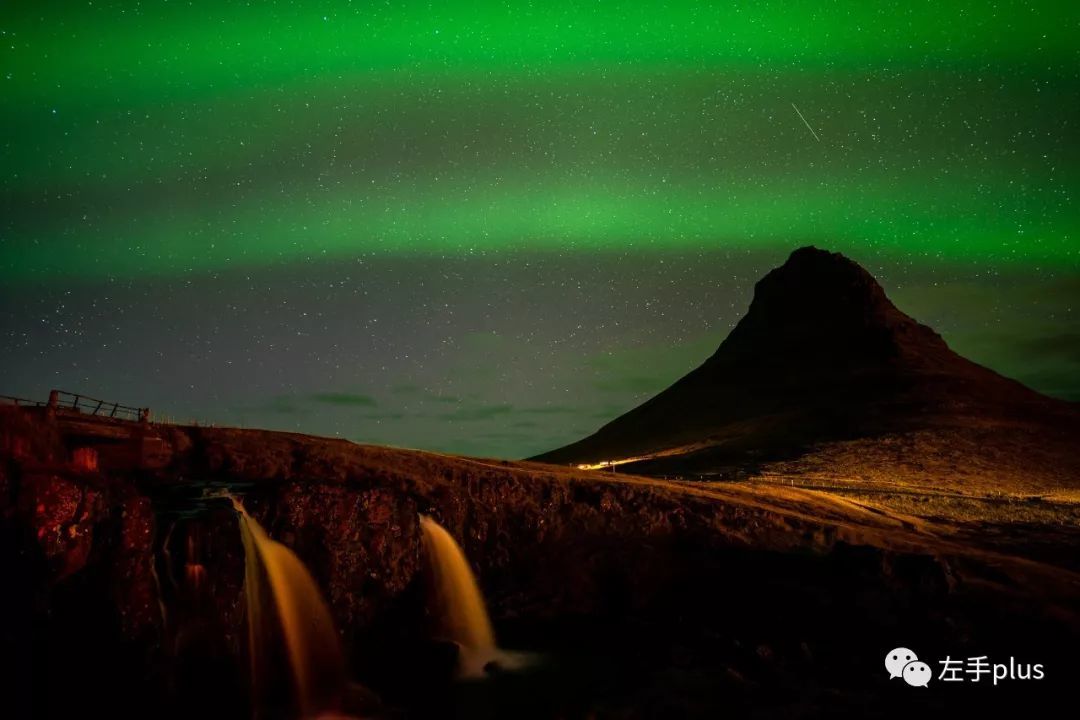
column 100, row 432
column 83, row 404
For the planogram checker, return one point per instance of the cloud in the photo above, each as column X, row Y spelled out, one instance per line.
column 550, row 410
column 619, row 372
column 1056, row 382
column 503, row 435
column 344, row 399
column 608, row 412
column 633, row 384
column 278, row 405
column 1062, row 346
column 412, row 390
column 379, row 417
column 480, row 412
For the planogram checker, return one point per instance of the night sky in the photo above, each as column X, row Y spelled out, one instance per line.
column 489, row 229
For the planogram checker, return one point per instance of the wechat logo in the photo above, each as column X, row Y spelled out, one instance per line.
column 903, row 663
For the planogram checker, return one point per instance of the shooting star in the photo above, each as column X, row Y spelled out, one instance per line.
column 806, row 123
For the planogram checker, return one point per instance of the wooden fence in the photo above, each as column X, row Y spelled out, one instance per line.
column 63, row 400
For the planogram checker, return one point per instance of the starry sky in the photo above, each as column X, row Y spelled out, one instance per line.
column 488, row 228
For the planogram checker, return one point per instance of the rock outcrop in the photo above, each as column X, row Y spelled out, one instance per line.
column 647, row 598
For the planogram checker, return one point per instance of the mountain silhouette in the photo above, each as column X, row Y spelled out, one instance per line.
column 822, row 356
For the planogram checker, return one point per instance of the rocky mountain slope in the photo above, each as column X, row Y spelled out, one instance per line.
column 822, row 360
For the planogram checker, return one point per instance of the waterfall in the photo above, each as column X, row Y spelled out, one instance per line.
column 463, row 617
column 275, row 578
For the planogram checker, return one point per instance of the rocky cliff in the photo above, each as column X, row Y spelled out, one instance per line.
column 645, row 598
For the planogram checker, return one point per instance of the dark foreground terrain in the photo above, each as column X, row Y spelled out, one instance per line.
column 641, row 597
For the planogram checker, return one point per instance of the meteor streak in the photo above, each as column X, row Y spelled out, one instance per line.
column 806, row 123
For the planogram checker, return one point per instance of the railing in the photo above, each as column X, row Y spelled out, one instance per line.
column 20, row 402
column 92, row 406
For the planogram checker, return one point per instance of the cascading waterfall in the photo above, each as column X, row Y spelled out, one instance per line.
column 275, row 578
column 463, row 616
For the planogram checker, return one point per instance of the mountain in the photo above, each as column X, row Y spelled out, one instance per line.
column 825, row 374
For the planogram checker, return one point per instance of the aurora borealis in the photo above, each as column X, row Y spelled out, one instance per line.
column 487, row 228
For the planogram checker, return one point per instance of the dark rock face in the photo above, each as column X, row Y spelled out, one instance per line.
column 363, row 542
column 77, row 556
column 824, row 313
column 821, row 355
column 647, row 599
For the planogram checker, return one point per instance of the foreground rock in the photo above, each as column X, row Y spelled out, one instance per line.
column 648, row 598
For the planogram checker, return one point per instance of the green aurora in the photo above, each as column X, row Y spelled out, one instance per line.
column 175, row 138
column 176, row 142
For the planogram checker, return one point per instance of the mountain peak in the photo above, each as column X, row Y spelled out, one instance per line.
column 821, row 274
column 826, row 309
column 814, row 279
column 822, row 354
